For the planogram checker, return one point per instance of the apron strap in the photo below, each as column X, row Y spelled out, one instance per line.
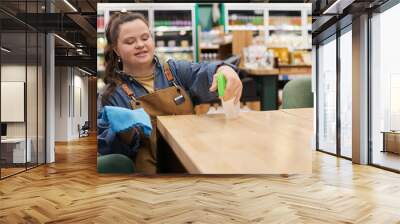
column 168, row 74
column 130, row 93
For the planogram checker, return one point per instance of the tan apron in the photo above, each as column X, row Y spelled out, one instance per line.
column 169, row 101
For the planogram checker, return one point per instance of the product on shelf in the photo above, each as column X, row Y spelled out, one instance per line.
column 285, row 20
column 289, row 40
column 282, row 54
column 100, row 83
column 184, row 43
column 171, row 43
column 209, row 56
column 236, row 19
column 300, row 57
column 212, row 37
column 172, row 18
column 256, row 56
column 164, row 56
column 180, row 23
column 160, row 43
column 100, row 21
column 101, row 43
column 100, row 63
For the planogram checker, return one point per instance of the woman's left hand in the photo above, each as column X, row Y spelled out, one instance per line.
column 233, row 83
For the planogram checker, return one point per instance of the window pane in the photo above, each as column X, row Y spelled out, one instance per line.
column 346, row 93
column 386, row 89
column 14, row 153
column 41, row 98
column 31, row 96
column 327, row 97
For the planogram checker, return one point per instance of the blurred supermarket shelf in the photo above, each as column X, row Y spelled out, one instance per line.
column 173, row 49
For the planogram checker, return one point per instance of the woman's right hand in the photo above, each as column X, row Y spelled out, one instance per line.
column 234, row 85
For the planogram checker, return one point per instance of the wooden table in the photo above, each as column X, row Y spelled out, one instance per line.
column 305, row 113
column 262, row 142
column 269, row 82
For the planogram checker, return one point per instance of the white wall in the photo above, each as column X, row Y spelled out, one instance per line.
column 61, row 103
column 12, row 73
column 71, row 93
column 81, row 104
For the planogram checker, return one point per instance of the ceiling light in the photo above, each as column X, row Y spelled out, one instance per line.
column 5, row 50
column 65, row 41
column 338, row 6
column 70, row 5
column 86, row 72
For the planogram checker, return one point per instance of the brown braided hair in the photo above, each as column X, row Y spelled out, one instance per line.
column 111, row 58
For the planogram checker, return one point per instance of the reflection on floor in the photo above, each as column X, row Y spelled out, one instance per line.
column 10, row 170
column 387, row 159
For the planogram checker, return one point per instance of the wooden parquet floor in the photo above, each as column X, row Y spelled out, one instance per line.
column 71, row 191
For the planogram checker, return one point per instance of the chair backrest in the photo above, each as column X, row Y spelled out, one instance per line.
column 86, row 125
column 297, row 94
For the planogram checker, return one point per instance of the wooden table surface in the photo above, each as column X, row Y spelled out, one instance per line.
column 261, row 72
column 306, row 113
column 295, row 70
column 262, row 142
column 281, row 70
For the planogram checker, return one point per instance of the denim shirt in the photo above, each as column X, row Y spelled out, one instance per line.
column 195, row 78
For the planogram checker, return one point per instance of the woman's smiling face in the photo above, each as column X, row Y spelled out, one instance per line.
column 135, row 44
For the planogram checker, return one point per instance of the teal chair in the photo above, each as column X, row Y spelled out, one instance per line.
column 115, row 163
column 297, row 94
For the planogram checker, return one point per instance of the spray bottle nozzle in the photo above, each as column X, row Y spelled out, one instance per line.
column 221, row 84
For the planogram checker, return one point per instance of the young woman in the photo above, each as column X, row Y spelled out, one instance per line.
column 137, row 79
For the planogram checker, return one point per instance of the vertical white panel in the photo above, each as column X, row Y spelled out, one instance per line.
column 50, row 110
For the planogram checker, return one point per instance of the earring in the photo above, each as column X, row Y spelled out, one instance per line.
column 119, row 63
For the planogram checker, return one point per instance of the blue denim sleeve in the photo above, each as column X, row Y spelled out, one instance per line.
column 108, row 141
column 197, row 78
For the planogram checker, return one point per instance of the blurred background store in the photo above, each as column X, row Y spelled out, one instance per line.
column 270, row 43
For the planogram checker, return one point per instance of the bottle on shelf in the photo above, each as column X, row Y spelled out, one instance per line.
column 100, row 20
column 101, row 44
column 209, row 57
